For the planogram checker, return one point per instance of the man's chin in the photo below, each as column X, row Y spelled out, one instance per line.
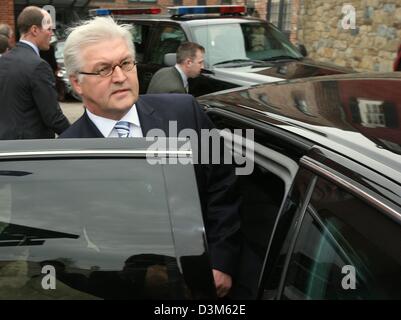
column 122, row 104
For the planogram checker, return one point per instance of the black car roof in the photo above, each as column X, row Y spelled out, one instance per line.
column 189, row 19
column 90, row 148
column 356, row 115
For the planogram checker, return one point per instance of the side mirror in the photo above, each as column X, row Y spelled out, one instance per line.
column 170, row 59
column 302, row 49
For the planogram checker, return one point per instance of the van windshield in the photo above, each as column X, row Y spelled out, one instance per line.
column 242, row 42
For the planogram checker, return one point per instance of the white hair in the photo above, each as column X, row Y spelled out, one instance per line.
column 91, row 32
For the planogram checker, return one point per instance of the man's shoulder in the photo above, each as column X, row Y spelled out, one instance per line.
column 23, row 56
column 167, row 99
column 170, row 106
column 167, row 72
column 79, row 129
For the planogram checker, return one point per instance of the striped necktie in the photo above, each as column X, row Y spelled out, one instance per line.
column 122, row 128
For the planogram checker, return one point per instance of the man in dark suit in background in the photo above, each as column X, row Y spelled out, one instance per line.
column 28, row 98
column 107, row 82
column 6, row 31
column 190, row 61
column 4, row 46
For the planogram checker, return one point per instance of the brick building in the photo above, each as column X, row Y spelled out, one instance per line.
column 7, row 12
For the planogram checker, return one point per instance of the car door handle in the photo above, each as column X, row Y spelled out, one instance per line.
column 148, row 75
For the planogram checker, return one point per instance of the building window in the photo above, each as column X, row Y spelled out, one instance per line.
column 177, row 2
column 201, row 2
column 279, row 14
column 372, row 113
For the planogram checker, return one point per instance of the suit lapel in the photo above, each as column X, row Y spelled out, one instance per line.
column 148, row 117
column 89, row 128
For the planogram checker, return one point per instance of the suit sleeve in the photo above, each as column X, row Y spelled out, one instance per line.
column 45, row 96
column 220, row 204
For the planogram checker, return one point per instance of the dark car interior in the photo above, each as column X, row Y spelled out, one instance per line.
column 262, row 192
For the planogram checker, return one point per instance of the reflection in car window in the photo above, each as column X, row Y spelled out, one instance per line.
column 341, row 237
column 103, row 225
column 168, row 41
column 139, row 35
column 245, row 40
column 275, row 264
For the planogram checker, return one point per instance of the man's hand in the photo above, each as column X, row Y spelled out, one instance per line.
column 223, row 282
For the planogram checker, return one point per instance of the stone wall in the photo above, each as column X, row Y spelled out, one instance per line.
column 372, row 46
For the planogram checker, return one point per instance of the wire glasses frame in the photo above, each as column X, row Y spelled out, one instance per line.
column 106, row 71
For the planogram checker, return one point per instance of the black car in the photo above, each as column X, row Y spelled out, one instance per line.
column 320, row 215
column 94, row 219
column 321, row 211
column 240, row 50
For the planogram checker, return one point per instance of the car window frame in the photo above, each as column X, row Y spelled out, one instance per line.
column 316, row 162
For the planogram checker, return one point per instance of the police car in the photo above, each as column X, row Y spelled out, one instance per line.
column 240, row 50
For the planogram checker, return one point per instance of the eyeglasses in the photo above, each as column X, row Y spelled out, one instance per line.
column 106, row 71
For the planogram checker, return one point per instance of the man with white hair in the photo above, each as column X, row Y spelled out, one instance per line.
column 29, row 108
column 100, row 60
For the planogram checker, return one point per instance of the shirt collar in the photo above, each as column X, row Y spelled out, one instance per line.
column 33, row 46
column 183, row 75
column 106, row 125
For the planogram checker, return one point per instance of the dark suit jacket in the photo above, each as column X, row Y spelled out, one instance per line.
column 166, row 80
column 216, row 183
column 28, row 98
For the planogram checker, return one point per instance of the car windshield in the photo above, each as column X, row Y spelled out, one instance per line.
column 237, row 43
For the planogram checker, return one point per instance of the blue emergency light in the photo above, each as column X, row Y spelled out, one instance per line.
column 102, row 12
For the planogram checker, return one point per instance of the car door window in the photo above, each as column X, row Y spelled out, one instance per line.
column 100, row 226
column 262, row 191
column 167, row 41
column 140, row 35
column 346, row 249
column 283, row 234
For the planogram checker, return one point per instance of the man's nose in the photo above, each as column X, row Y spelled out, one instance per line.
column 118, row 75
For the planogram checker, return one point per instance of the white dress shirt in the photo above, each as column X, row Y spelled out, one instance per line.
column 183, row 76
column 106, row 126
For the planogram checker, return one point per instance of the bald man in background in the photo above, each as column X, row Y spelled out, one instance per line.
column 29, row 108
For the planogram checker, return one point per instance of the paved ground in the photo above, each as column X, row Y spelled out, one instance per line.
column 72, row 109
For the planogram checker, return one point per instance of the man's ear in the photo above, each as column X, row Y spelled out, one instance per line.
column 75, row 85
column 34, row 30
